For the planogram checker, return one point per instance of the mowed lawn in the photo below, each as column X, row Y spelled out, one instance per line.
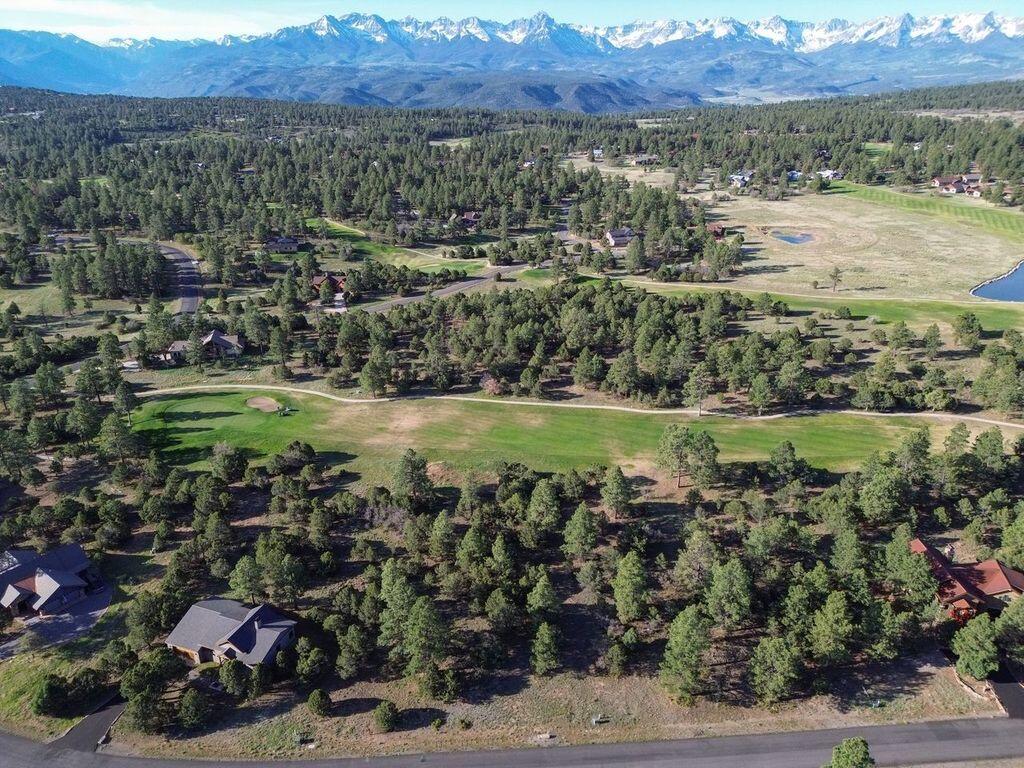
column 919, row 313
column 367, row 439
column 1000, row 221
column 366, row 248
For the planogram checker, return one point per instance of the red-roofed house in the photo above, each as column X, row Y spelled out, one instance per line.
column 967, row 588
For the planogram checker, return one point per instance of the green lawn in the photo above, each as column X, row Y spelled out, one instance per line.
column 1000, row 221
column 996, row 316
column 875, row 150
column 367, row 248
column 367, row 439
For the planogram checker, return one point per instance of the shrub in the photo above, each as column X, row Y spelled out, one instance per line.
column 193, row 710
column 385, row 716
column 319, row 702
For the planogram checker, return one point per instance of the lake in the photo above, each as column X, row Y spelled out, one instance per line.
column 793, row 239
column 1009, row 287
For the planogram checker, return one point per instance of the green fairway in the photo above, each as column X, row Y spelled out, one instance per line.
column 367, row 439
column 365, row 247
column 1000, row 221
column 996, row 316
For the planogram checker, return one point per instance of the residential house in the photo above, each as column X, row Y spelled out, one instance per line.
column 954, row 188
column 943, row 181
column 33, row 584
column 741, row 179
column 218, row 344
column 337, row 282
column 472, row 219
column 794, row 175
column 965, row 589
column 645, row 159
column 218, row 629
column 618, row 238
column 830, row 174
column 282, row 245
column 972, row 179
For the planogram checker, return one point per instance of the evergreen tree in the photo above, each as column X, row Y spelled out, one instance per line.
column 544, row 650
column 682, row 667
column 630, row 587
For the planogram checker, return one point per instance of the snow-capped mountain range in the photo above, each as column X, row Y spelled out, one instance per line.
column 538, row 61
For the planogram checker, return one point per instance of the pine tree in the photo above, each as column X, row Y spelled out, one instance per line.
column 246, row 579
column 544, row 651
column 425, row 636
column 774, row 669
column 630, row 587
column 682, row 667
column 729, row 595
column 580, row 533
column 975, row 647
column 832, row 630
column 542, row 602
column 616, row 493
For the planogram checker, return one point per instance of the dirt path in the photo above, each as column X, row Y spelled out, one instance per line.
column 941, row 417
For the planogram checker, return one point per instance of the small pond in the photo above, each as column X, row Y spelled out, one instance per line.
column 793, row 238
column 1009, row 287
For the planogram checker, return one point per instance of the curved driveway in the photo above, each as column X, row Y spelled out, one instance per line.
column 945, row 742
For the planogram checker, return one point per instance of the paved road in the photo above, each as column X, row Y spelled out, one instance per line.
column 190, row 281
column 92, row 730
column 461, row 286
column 902, row 745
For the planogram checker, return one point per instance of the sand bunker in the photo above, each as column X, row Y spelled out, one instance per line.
column 265, row 404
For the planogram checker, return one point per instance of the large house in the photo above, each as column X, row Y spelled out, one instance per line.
column 219, row 629
column 33, row 584
column 216, row 344
column 337, row 282
column 617, row 238
column 282, row 245
column 965, row 589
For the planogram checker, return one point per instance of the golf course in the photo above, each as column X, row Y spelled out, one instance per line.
column 366, row 438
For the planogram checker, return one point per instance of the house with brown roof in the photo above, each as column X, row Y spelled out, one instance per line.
column 337, row 282
column 965, row 589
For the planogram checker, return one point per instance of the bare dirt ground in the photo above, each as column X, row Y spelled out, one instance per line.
column 1015, row 116
column 265, row 404
column 520, row 710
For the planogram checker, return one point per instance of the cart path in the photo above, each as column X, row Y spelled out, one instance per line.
column 704, row 413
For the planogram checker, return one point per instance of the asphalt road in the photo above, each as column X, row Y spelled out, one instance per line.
column 461, row 286
column 899, row 745
column 190, row 282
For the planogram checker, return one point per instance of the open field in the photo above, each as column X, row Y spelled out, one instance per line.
column 887, row 244
column 366, row 439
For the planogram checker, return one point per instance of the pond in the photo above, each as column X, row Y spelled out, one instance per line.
column 798, row 238
column 1009, row 287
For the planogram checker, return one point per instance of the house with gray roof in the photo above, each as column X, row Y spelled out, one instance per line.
column 34, row 584
column 219, row 629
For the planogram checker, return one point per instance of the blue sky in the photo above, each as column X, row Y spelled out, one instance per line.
column 183, row 19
